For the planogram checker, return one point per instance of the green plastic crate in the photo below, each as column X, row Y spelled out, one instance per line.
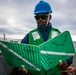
column 58, row 48
column 18, row 55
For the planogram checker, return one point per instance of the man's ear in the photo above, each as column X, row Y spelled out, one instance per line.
column 50, row 17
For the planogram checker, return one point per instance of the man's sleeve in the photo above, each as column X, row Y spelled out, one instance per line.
column 70, row 61
column 25, row 39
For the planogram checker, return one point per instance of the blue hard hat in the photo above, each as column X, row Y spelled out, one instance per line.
column 42, row 7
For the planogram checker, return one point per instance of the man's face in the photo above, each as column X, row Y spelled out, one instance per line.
column 41, row 19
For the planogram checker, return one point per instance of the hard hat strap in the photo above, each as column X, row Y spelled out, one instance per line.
column 48, row 19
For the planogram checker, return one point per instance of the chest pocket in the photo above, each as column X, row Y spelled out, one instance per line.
column 36, row 35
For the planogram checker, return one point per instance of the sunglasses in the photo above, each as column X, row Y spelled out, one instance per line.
column 43, row 16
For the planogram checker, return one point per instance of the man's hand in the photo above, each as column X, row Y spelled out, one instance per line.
column 64, row 65
column 23, row 71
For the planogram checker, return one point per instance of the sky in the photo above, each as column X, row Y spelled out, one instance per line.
column 17, row 18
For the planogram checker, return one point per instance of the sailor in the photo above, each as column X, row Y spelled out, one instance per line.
column 41, row 34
